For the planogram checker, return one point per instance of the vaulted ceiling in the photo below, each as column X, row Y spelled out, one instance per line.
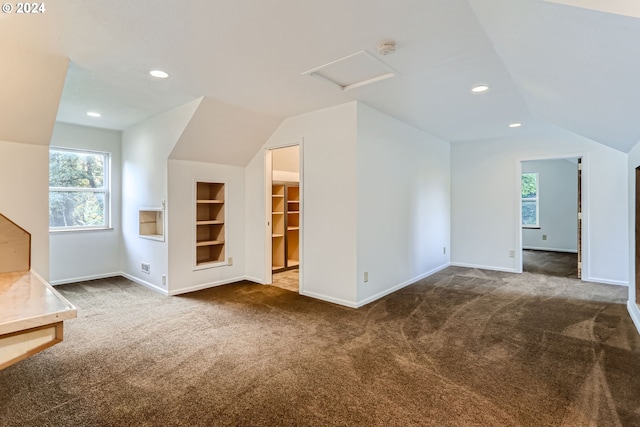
column 549, row 64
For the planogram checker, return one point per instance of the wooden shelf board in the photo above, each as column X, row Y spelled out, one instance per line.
column 293, row 262
column 277, row 213
column 209, row 201
column 277, row 195
column 293, row 228
column 277, row 267
column 294, row 212
column 277, row 235
column 210, row 243
column 209, row 222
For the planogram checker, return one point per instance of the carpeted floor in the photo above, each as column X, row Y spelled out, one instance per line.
column 561, row 264
column 463, row 347
column 289, row 280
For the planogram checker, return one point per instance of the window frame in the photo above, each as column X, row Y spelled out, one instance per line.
column 105, row 189
column 530, row 199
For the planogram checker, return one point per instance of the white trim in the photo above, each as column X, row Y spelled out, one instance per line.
column 605, row 281
column 255, row 280
column 145, row 283
column 206, row 286
column 585, row 209
column 268, row 182
column 85, row 278
column 634, row 312
column 326, row 298
column 484, row 267
column 535, row 248
column 400, row 286
column 106, row 189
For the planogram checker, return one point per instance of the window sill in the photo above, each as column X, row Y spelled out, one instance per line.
column 79, row 230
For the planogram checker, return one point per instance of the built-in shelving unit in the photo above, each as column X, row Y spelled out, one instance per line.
column 210, row 233
column 293, row 225
column 285, row 219
column 151, row 223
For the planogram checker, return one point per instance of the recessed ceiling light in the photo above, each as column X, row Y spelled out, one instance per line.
column 159, row 74
column 479, row 88
column 93, row 114
column 515, row 125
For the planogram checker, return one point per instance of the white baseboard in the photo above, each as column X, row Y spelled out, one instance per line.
column 400, row 286
column 534, row 248
column 145, row 283
column 327, row 298
column 634, row 312
column 605, row 281
column 484, row 267
column 254, row 279
column 206, row 286
column 85, row 278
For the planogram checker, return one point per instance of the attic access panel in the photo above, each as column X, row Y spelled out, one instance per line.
column 358, row 69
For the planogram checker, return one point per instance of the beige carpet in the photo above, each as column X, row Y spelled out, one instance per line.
column 561, row 264
column 289, row 280
column 461, row 348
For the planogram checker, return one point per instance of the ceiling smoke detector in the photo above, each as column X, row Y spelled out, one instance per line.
column 387, row 48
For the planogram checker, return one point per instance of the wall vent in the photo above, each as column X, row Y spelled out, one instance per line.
column 145, row 267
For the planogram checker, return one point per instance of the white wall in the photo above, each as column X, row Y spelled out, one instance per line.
column 182, row 177
column 634, row 162
column 24, row 196
column 145, row 152
column 485, row 200
column 328, row 267
column 85, row 255
column 558, row 206
column 403, row 211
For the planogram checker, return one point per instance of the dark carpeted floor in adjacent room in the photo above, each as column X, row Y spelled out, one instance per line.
column 463, row 347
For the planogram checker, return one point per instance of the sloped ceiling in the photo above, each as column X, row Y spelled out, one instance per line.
column 577, row 68
column 31, row 79
column 549, row 64
column 223, row 134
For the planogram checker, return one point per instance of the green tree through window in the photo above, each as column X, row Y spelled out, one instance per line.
column 529, row 191
column 78, row 189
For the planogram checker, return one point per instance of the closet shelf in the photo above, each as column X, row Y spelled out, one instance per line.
column 210, row 201
column 210, row 243
column 209, row 222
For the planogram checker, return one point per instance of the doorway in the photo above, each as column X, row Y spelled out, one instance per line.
column 551, row 216
column 284, row 197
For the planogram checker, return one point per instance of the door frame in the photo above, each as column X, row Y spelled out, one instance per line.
column 583, row 233
column 268, row 179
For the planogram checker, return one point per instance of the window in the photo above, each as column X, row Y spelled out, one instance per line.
column 78, row 189
column 530, row 200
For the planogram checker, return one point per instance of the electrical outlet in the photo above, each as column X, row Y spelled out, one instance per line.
column 512, row 254
column 366, row 276
column 164, row 280
column 230, row 261
column 544, row 237
column 145, row 267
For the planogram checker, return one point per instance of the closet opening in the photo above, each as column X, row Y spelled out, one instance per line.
column 284, row 197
